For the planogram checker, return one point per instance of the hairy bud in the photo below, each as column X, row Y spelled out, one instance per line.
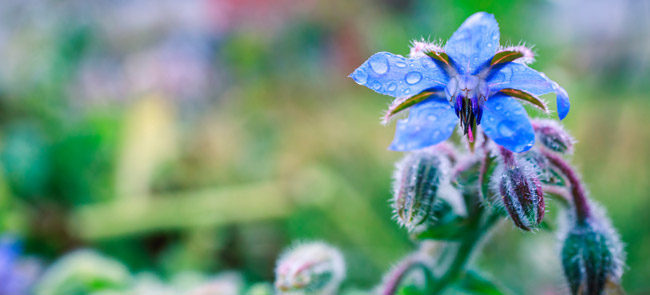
column 521, row 191
column 553, row 136
column 417, row 181
column 592, row 257
column 312, row 268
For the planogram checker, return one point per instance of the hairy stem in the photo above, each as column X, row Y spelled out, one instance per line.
column 581, row 204
column 395, row 277
column 468, row 245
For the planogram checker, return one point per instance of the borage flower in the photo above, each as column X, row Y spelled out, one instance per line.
column 471, row 78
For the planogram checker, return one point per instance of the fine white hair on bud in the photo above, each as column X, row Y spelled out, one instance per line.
column 592, row 253
column 310, row 268
column 417, row 181
column 419, row 48
column 553, row 136
column 518, row 184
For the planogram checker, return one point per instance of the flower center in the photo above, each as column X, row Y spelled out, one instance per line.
column 467, row 94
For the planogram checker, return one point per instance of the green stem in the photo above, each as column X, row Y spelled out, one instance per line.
column 465, row 251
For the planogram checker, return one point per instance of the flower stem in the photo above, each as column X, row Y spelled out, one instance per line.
column 580, row 201
column 395, row 277
column 465, row 251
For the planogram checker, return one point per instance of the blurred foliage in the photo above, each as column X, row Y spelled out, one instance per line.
column 133, row 127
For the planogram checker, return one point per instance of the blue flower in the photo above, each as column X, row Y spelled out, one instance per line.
column 471, row 79
column 15, row 279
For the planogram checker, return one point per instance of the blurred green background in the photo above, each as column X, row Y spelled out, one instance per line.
column 206, row 135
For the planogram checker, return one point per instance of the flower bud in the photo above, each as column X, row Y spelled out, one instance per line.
column 312, row 268
column 417, row 181
column 553, row 136
column 521, row 191
column 592, row 257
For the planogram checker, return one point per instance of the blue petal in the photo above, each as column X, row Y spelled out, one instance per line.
column 397, row 76
column 428, row 123
column 562, row 101
column 518, row 76
column 474, row 43
column 505, row 121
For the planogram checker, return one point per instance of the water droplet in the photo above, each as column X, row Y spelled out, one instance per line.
column 505, row 130
column 495, row 37
column 413, row 78
column 376, row 85
column 431, row 118
column 436, row 134
column 392, row 87
column 378, row 64
column 499, row 107
column 407, row 91
column 400, row 64
column 489, row 45
column 491, row 119
column 360, row 76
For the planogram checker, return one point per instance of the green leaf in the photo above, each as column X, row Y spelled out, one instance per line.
column 411, row 290
column 506, row 56
column 527, row 97
column 454, row 228
column 403, row 104
column 487, row 167
column 439, row 56
column 474, row 283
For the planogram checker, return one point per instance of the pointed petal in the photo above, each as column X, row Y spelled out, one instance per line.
column 428, row 123
column 518, row 76
column 562, row 101
column 474, row 43
column 397, row 76
column 505, row 121
column 522, row 77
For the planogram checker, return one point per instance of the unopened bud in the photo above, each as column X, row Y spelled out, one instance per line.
column 592, row 257
column 417, row 181
column 312, row 268
column 521, row 191
column 553, row 136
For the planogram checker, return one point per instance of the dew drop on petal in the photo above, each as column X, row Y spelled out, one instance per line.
column 360, row 76
column 505, row 130
column 376, row 85
column 413, row 78
column 407, row 91
column 400, row 64
column 392, row 86
column 431, row 118
column 378, row 64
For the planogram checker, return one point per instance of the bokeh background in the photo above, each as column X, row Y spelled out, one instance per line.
column 189, row 138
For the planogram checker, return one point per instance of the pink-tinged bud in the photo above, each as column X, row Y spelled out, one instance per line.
column 553, row 136
column 311, row 268
column 418, row 179
column 521, row 191
column 592, row 257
